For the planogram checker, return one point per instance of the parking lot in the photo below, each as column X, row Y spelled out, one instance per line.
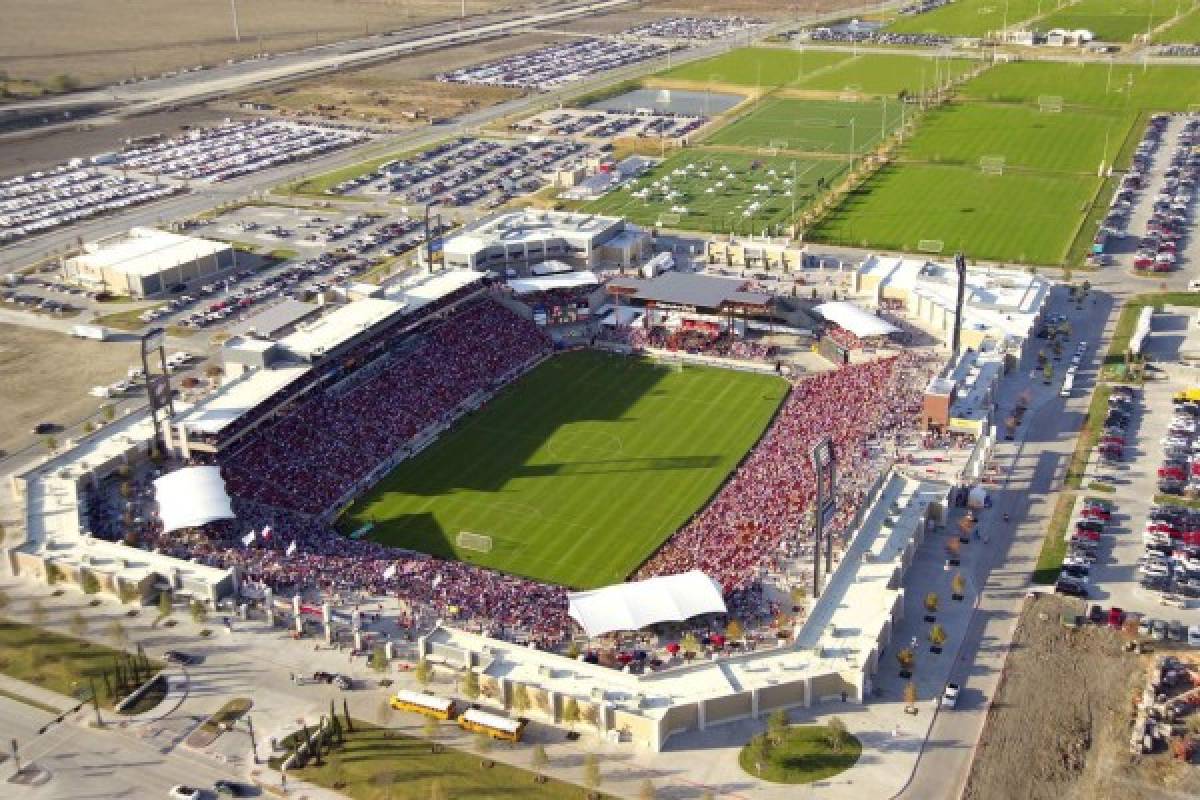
column 470, row 172
column 607, row 125
column 558, row 65
column 694, row 28
column 1164, row 170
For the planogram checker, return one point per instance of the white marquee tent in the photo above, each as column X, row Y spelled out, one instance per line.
column 631, row 606
column 190, row 497
column 855, row 319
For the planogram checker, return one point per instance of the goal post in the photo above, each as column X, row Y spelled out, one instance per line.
column 931, row 246
column 768, row 151
column 778, row 144
column 991, row 165
column 479, row 542
column 1050, row 102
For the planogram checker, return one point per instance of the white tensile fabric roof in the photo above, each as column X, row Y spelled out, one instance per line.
column 564, row 280
column 855, row 319
column 632, row 606
column 191, row 497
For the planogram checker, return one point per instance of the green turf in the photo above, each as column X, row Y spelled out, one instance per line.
column 1128, row 87
column 971, row 17
column 768, row 67
column 1023, row 217
column 579, row 471
column 815, row 126
column 1185, row 31
column 724, row 209
column 1067, row 142
column 886, row 74
column 1111, row 20
column 804, row 756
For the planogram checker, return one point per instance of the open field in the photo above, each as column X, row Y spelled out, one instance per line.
column 41, row 370
column 1111, row 20
column 1185, row 31
column 104, row 42
column 878, row 74
column 971, row 17
column 579, row 471
column 1070, row 141
column 1023, row 217
column 763, row 67
column 813, row 126
column 1121, row 86
column 725, row 208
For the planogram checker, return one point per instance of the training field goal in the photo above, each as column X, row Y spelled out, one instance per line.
column 1050, row 102
column 778, row 144
column 479, row 542
column 768, row 151
column 668, row 219
column 931, row 245
column 991, row 165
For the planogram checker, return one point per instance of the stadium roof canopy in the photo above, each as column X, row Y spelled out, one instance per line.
column 855, row 319
column 632, row 606
column 689, row 289
column 191, row 497
column 565, row 280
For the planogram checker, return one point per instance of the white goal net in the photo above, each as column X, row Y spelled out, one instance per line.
column 930, row 245
column 1050, row 102
column 480, row 542
column 992, row 165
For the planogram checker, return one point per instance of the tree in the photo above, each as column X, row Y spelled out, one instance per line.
column 213, row 371
column 592, row 778
column 953, row 546
column 109, row 412
column 937, row 635
column 79, row 626
column 573, row 650
column 958, row 585
column 689, row 644
column 1048, row 369
column 734, row 631
column 837, row 735
column 570, row 712
column 166, row 605
column 37, row 613
column 379, row 660
column 199, row 612
column 520, row 699
column 53, row 574
column 129, row 593
column 760, row 750
column 51, row 443
column 117, row 634
column 906, row 658
column 423, row 672
column 931, row 602
column 910, row 694
column 62, row 82
column 646, row 791
column 539, row 761
column 777, row 725
column 470, row 684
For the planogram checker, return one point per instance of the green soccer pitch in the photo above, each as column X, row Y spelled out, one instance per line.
column 579, row 471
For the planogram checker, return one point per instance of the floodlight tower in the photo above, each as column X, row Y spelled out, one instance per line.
column 960, row 267
column 824, row 507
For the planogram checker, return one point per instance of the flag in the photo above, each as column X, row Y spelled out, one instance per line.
column 291, row 551
column 390, row 572
column 248, row 539
column 266, row 532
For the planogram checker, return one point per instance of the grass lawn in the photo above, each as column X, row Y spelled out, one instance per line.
column 1130, row 312
column 814, row 126
column 1110, row 20
column 804, row 757
column 971, row 17
column 1022, row 217
column 1089, row 436
column 59, row 663
column 319, row 184
column 579, row 471
column 1129, row 87
column 1067, row 142
column 884, row 74
column 377, row 764
column 127, row 320
column 1185, row 31
column 1054, row 546
column 691, row 173
column 766, row 67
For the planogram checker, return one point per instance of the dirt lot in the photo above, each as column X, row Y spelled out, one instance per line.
column 385, row 92
column 100, row 41
column 1059, row 726
column 45, row 377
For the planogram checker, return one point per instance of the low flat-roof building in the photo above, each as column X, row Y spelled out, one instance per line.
column 960, row 399
column 516, row 239
column 147, row 261
column 784, row 256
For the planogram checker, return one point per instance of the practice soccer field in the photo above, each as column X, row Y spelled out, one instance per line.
column 877, row 74
column 1111, row 20
column 766, row 67
column 1123, row 87
column 1185, row 31
column 720, row 192
column 972, row 17
column 1017, row 216
column 1026, row 138
column 813, row 126
column 579, row 471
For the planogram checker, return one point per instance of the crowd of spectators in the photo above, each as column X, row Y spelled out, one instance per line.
column 693, row 342
column 845, row 338
column 337, row 435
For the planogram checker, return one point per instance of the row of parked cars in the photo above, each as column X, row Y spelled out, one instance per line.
column 32, row 302
column 1094, row 519
column 1167, row 227
column 41, row 201
column 557, row 65
column 1170, row 564
column 236, row 148
column 693, row 27
column 1111, row 447
column 608, row 124
column 1180, row 468
column 1149, row 627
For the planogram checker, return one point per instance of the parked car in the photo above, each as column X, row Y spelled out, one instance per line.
column 950, row 695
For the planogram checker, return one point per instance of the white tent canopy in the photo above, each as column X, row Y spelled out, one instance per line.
column 191, row 497
column 565, row 280
column 632, row 606
column 855, row 319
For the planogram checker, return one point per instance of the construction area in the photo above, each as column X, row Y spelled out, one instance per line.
column 1073, row 695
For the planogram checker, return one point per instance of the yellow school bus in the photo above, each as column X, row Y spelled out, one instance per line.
column 428, row 704
column 503, row 728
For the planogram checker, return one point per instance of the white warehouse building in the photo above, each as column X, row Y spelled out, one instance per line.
column 146, row 261
column 516, row 239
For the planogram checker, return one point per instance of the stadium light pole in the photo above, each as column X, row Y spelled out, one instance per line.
column 237, row 34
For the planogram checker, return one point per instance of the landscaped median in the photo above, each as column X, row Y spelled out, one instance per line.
column 1089, row 437
column 1054, row 546
column 801, row 753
